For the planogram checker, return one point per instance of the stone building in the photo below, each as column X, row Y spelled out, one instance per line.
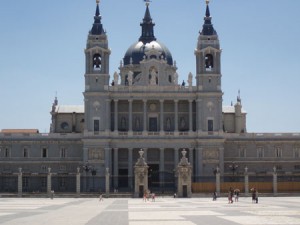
column 143, row 106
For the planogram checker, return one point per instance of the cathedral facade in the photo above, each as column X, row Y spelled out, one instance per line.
column 144, row 107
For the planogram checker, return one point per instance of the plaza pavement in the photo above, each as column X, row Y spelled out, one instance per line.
column 164, row 211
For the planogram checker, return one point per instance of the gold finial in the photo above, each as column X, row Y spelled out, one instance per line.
column 147, row 2
column 207, row 2
column 97, row 1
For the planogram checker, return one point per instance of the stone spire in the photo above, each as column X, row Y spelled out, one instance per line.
column 147, row 27
column 208, row 28
column 97, row 28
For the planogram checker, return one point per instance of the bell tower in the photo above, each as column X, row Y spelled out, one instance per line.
column 96, row 75
column 208, row 78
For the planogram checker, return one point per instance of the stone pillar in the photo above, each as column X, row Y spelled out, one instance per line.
column 130, row 169
column 116, row 115
column 176, row 115
column 218, row 181
column 107, row 186
column 246, row 181
column 145, row 117
column 130, row 116
column 199, row 172
column 78, row 181
column 275, row 189
column 161, row 116
column 108, row 115
column 191, row 156
column 116, row 168
column 176, row 158
column 20, row 182
column 161, row 166
column 184, row 173
column 49, row 184
column 141, row 176
column 190, row 115
column 198, row 115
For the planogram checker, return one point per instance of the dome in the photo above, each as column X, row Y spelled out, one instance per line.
column 137, row 51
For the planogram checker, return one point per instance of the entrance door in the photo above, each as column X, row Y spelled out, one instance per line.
column 141, row 191
column 153, row 124
column 184, row 191
column 123, row 178
column 153, row 175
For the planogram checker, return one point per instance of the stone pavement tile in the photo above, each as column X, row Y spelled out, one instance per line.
column 161, row 223
column 262, row 220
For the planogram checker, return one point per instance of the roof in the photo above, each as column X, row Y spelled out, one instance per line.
column 20, row 131
column 230, row 109
column 69, row 109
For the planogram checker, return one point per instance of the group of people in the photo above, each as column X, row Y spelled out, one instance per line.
column 148, row 195
column 233, row 194
column 254, row 195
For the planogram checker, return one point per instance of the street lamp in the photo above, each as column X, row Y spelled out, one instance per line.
column 87, row 168
column 233, row 167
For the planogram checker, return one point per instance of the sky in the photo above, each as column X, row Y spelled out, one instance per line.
column 42, row 53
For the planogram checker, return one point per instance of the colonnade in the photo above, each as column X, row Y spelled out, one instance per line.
column 161, row 117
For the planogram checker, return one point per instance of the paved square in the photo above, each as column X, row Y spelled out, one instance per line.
column 164, row 211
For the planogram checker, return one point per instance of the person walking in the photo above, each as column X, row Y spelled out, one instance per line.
column 100, row 198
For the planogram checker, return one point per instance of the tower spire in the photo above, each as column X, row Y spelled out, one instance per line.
column 97, row 28
column 147, row 26
column 208, row 28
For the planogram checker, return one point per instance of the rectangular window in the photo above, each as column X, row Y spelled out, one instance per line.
column 63, row 152
column 25, row 153
column 62, row 168
column 278, row 152
column 260, row 152
column 210, row 125
column 6, row 153
column 44, row 153
column 62, row 182
column 297, row 152
column 242, row 152
column 96, row 125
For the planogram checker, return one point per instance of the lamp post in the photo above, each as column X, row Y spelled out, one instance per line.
column 87, row 168
column 233, row 167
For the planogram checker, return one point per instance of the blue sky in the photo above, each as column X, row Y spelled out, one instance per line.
column 42, row 52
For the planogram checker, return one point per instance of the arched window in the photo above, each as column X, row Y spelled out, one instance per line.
column 97, row 62
column 209, row 62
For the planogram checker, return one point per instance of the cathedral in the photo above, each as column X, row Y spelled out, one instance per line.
column 144, row 107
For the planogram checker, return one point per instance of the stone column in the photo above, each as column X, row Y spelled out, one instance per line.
column 176, row 158
column 78, row 181
column 108, row 115
column 161, row 116
column 130, row 168
column 246, row 181
column 49, row 184
column 190, row 115
column 130, row 116
column 191, row 156
column 20, row 182
column 176, row 115
column 161, row 166
column 145, row 117
column 198, row 115
column 116, row 168
column 116, row 115
column 107, row 186
column 199, row 172
column 275, row 189
column 218, row 181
